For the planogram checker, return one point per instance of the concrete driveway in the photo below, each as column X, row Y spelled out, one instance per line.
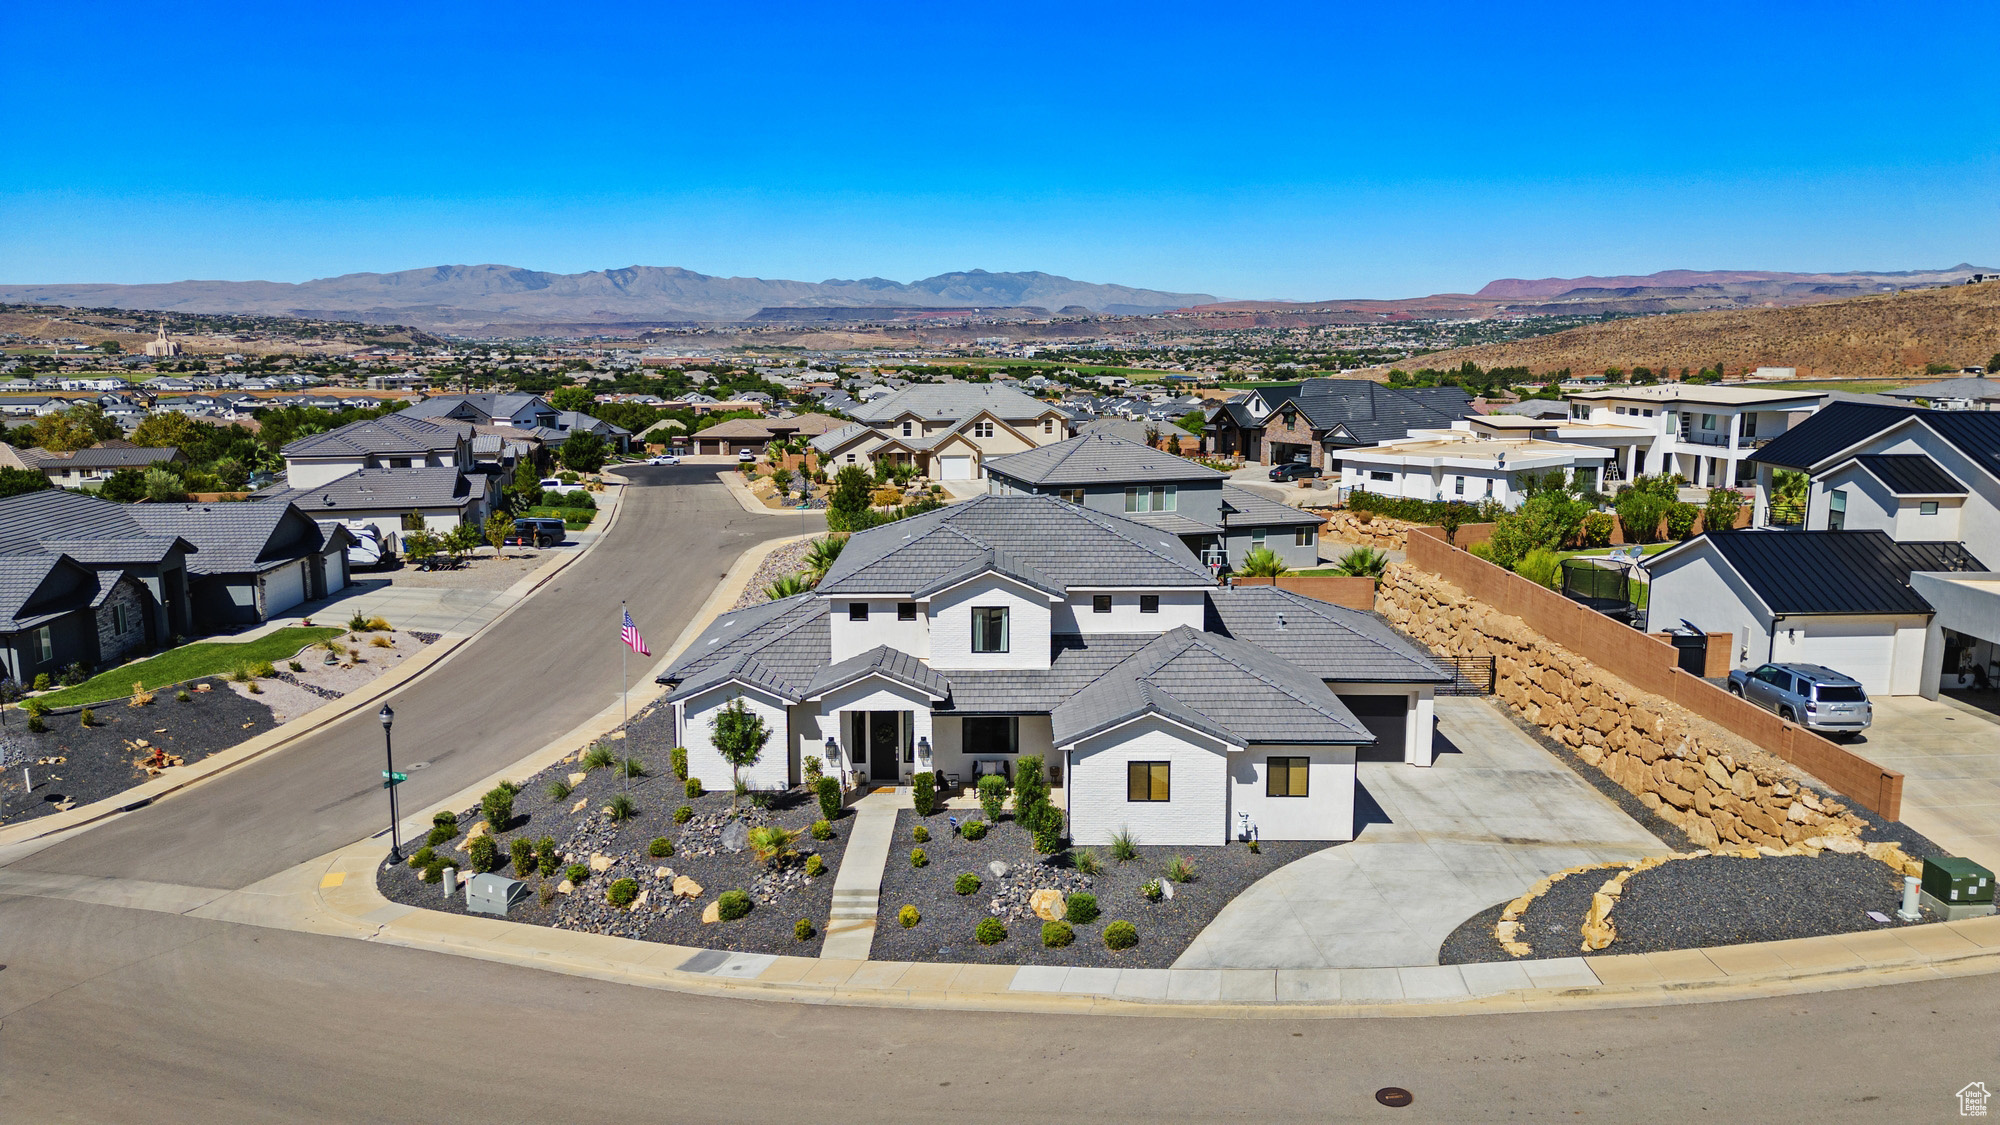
column 1437, row 845
column 1949, row 753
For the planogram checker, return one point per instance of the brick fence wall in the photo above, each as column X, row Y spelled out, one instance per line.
column 1340, row 589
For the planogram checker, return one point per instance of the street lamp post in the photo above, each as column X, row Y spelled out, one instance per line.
column 389, row 754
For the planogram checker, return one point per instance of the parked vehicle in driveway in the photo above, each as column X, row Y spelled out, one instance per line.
column 748, row 456
column 1294, row 470
column 537, row 531
column 367, row 549
column 1817, row 698
column 664, row 459
column 551, row 484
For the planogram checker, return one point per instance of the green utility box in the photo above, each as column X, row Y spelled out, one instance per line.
column 1957, row 888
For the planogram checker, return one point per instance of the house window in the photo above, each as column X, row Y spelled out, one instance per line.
column 1489, row 488
column 857, row 611
column 1927, row 508
column 1048, row 425
column 989, row 628
column 982, row 429
column 45, row 644
column 985, row 735
column 1148, row 781
column 1749, row 425
column 1458, row 486
column 1648, row 413
column 1257, row 539
column 1071, row 496
column 1100, row 603
column 120, row 620
column 1302, row 536
column 850, row 458
column 1286, row 777
column 1708, row 421
column 1136, row 499
column 906, row 429
column 906, row 611
column 1836, row 510
column 1381, row 474
column 1149, row 603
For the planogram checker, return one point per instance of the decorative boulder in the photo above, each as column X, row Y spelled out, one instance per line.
column 735, row 836
column 997, row 869
column 1048, row 905
column 685, row 887
column 600, row 862
column 712, row 913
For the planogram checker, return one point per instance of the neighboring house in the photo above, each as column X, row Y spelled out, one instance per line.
column 1705, row 433
column 1218, row 521
column 572, row 421
column 739, row 435
column 252, row 561
column 946, row 430
column 441, row 497
column 959, row 640
column 1318, row 420
column 31, row 406
column 1465, row 465
column 1842, row 599
column 55, row 611
column 393, row 441
column 1977, row 393
column 87, row 468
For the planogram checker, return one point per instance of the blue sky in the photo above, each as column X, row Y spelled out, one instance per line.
column 1313, row 151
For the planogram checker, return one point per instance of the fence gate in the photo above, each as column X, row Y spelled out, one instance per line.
column 1471, row 675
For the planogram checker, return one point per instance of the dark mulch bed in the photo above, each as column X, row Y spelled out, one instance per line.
column 98, row 760
column 946, row 931
column 1688, row 904
column 781, row 896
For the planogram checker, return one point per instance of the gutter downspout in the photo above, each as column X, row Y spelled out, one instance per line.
column 1771, row 649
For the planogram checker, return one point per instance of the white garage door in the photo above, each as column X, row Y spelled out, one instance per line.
column 956, row 468
column 1865, row 650
column 284, row 588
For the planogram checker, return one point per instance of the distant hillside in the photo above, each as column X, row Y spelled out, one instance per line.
column 1860, row 338
column 1734, row 282
column 466, row 298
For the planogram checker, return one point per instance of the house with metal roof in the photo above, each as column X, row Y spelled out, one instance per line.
column 1313, row 421
column 947, row 430
column 1218, row 521
column 957, row 641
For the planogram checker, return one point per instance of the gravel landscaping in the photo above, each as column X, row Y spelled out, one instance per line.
column 97, row 762
column 948, row 919
column 788, row 559
column 1692, row 903
column 584, row 832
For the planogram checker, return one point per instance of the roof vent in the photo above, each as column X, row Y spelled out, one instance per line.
column 1281, row 621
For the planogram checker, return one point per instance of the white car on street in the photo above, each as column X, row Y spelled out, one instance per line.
column 664, row 459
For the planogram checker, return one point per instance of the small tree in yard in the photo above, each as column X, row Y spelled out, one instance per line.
column 584, row 451
column 1031, row 788
column 1263, row 562
column 739, row 735
column 495, row 531
column 1724, row 504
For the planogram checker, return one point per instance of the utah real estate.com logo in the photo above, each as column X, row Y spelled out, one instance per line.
column 1972, row 1099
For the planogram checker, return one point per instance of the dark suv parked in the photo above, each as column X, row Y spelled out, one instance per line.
column 1294, row 470
column 536, row 531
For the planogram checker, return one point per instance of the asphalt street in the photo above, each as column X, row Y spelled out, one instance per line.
column 110, row 1014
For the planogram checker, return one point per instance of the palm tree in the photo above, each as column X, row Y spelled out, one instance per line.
column 1263, row 562
column 789, row 586
column 820, row 556
column 1363, row 562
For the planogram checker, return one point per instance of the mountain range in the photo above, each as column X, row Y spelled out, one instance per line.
column 466, row 298
column 1733, row 282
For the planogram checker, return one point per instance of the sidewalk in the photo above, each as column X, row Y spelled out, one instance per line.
column 857, row 886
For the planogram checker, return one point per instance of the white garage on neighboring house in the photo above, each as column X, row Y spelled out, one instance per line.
column 1840, row 599
column 954, row 466
column 284, row 587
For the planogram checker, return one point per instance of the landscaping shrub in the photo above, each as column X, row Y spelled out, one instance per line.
column 1120, row 935
column 973, row 830
column 1031, row 789
column 918, row 858
column 1124, row 845
column 295, row 666
column 923, row 793
column 966, row 884
column 1181, row 870
column 357, row 623
column 498, row 805
column 660, row 848
column 1642, row 506
column 576, row 873
column 815, row 769
column 815, row 865
column 183, row 696
column 422, row 856
column 680, row 759
column 772, row 843
column 683, row 814
column 484, row 853
column 35, row 707
column 37, row 724
column 731, row 905
column 41, row 681
column 1597, row 530
column 1048, row 828
column 380, row 641
column 632, row 767
column 1151, row 889
column 1081, row 907
column 1540, row 566
column 433, row 872
column 522, row 851
column 621, row 808
column 86, row 718
column 560, row 789
column 1086, row 862
column 692, row 787
column 1421, row 511
column 1680, row 520
column 1055, row 935
column 821, row 830
column 990, row 931
column 546, row 858
column 448, row 821
column 803, row 929
column 992, row 795
column 621, row 892
column 909, row 917
column 921, row 834
column 378, row 625
column 828, row 792
column 597, row 757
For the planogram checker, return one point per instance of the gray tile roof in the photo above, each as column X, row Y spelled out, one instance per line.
column 1329, row 641
column 497, row 405
column 1173, row 523
column 782, row 643
column 1244, row 508
column 439, row 486
column 834, row 439
column 1075, row 662
column 951, row 402
column 1218, row 684
column 391, row 433
column 234, row 538
column 21, row 578
column 889, row 663
column 993, row 562
column 29, row 519
column 1071, row 546
column 1098, row 459
column 127, row 457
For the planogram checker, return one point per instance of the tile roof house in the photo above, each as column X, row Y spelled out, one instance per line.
column 959, row 640
column 87, row 468
column 517, row 409
column 947, row 430
column 740, row 434
column 384, row 499
column 1218, row 521
column 1314, row 420
column 393, row 441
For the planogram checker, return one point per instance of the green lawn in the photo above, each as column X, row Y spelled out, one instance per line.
column 189, row 662
column 576, row 519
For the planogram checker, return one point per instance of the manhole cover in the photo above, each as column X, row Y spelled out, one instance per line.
column 1394, row 1096
column 418, row 766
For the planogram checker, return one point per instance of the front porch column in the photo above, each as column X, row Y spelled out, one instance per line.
column 1419, row 737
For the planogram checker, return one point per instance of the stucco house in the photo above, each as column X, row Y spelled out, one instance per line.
column 1317, row 419
column 947, row 431
column 959, row 640
column 393, row 441
column 442, row 497
column 1218, row 521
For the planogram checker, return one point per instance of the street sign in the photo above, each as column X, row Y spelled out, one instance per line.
column 394, row 778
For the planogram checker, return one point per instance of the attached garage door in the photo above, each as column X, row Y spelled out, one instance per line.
column 284, row 588
column 1865, row 650
column 956, row 468
column 1386, row 717
column 336, row 570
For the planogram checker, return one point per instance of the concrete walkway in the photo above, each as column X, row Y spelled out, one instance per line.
column 1949, row 754
column 857, row 886
column 1436, row 846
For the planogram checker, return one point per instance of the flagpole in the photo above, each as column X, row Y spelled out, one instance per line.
column 624, row 691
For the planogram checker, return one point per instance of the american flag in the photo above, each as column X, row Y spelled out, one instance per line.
column 630, row 635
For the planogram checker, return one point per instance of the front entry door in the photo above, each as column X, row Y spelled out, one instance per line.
column 884, row 745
